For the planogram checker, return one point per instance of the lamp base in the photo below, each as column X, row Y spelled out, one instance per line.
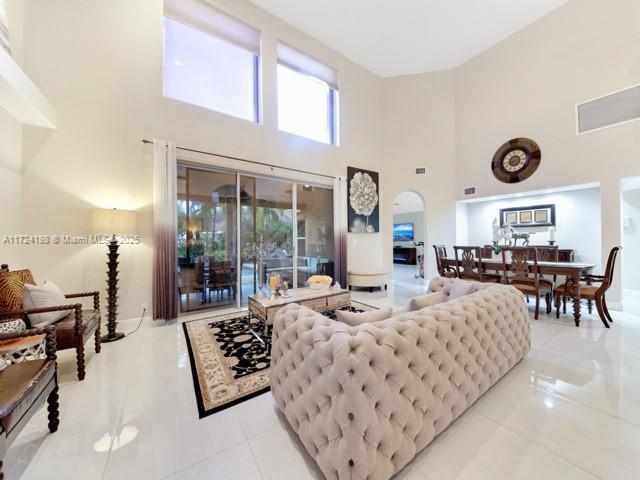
column 114, row 338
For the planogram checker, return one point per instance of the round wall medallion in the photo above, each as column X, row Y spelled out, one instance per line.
column 516, row 160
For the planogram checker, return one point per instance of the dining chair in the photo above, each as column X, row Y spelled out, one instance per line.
column 521, row 272
column 443, row 270
column 548, row 254
column 469, row 265
column 591, row 292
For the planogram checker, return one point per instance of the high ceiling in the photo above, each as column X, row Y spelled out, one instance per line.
column 404, row 37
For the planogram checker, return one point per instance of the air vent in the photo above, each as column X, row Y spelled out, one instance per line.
column 421, row 171
column 613, row 109
column 470, row 191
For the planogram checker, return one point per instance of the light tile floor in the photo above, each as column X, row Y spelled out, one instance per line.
column 570, row 410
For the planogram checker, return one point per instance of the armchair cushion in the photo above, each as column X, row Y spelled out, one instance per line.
column 43, row 296
column 65, row 328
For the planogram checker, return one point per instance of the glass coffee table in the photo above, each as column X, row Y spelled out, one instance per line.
column 266, row 309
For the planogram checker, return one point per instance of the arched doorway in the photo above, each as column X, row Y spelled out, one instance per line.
column 409, row 241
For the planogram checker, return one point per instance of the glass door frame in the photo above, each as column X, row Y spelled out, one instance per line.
column 294, row 206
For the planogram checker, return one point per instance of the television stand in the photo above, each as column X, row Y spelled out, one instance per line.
column 404, row 255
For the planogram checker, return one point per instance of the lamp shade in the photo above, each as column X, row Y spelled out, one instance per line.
column 113, row 221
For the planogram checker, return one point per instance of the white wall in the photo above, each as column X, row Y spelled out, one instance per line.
column 528, row 86
column 99, row 63
column 419, row 132
column 631, row 240
column 11, row 220
column 577, row 222
column 417, row 218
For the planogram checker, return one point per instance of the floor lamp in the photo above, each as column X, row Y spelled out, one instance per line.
column 113, row 222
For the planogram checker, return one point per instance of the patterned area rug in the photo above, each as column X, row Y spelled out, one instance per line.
column 228, row 362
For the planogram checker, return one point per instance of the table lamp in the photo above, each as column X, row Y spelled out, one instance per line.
column 113, row 222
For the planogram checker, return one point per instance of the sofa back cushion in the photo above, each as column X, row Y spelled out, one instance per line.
column 428, row 300
column 446, row 285
column 371, row 316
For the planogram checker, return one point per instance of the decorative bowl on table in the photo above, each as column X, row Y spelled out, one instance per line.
column 320, row 282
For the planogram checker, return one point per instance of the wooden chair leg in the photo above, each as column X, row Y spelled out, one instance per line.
column 53, row 408
column 590, row 306
column 564, row 304
column 601, row 312
column 535, row 316
column 548, row 299
column 527, row 297
column 606, row 309
column 80, row 360
column 98, row 341
column 557, row 305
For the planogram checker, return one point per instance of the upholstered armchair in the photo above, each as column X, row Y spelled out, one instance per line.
column 25, row 386
column 72, row 330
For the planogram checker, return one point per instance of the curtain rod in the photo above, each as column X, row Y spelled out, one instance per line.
column 144, row 140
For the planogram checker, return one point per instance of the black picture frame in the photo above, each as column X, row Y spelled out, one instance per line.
column 358, row 222
column 551, row 217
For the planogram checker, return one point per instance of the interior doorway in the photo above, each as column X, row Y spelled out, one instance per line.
column 409, row 243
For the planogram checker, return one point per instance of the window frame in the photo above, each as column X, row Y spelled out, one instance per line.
column 257, row 100
column 332, row 108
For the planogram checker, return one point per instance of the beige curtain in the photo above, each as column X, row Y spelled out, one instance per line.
column 165, row 276
column 340, row 229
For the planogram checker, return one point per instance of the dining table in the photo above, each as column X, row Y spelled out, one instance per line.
column 572, row 271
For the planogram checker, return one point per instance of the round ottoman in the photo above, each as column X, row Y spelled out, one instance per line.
column 369, row 278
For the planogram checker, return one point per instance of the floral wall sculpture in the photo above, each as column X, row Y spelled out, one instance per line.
column 364, row 212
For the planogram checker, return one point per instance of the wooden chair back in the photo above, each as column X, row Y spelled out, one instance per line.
column 546, row 254
column 441, row 252
column 468, row 265
column 611, row 266
column 518, row 266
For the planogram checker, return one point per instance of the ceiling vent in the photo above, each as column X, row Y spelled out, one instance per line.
column 470, row 191
column 421, row 171
column 610, row 110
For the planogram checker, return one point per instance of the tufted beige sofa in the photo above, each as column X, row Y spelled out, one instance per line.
column 364, row 400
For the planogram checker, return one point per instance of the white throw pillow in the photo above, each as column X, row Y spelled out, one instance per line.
column 354, row 319
column 428, row 300
column 12, row 326
column 46, row 295
column 460, row 288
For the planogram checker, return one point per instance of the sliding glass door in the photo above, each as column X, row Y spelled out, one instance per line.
column 314, row 232
column 223, row 216
column 266, row 216
column 207, row 238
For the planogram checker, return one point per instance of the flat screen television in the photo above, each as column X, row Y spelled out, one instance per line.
column 403, row 232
